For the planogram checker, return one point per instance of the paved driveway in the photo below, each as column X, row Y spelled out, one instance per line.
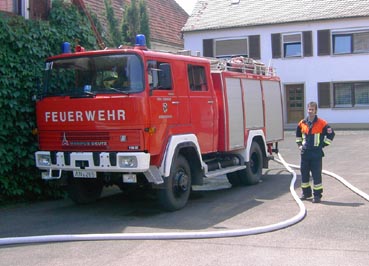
column 335, row 232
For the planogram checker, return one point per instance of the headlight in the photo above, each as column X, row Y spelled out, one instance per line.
column 43, row 160
column 128, row 162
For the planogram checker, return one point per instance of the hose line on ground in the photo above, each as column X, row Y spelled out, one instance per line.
column 338, row 178
column 184, row 235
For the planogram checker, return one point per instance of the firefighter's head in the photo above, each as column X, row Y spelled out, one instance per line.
column 312, row 109
column 110, row 78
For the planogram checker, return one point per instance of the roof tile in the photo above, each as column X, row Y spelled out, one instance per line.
column 220, row 14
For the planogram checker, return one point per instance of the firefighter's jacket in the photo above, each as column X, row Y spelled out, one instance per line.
column 314, row 136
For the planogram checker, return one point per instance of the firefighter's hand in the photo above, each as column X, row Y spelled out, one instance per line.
column 300, row 147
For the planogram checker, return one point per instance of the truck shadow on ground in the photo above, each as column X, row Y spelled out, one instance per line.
column 116, row 213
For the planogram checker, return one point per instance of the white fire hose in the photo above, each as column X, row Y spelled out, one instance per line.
column 185, row 235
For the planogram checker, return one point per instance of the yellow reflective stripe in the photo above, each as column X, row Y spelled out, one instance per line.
column 303, row 139
column 318, row 187
column 305, row 185
column 327, row 140
column 316, row 139
column 298, row 139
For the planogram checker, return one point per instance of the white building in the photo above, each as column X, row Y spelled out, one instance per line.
column 320, row 49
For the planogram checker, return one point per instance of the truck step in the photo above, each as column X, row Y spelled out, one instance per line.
column 224, row 171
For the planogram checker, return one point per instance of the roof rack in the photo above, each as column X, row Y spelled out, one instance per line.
column 242, row 65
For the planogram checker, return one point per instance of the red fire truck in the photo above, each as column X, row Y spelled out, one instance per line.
column 138, row 118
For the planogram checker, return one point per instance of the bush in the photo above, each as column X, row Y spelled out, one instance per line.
column 24, row 46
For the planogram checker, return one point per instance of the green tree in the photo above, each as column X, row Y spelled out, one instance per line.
column 113, row 25
column 144, row 26
column 135, row 21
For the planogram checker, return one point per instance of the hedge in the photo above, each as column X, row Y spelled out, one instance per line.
column 24, row 45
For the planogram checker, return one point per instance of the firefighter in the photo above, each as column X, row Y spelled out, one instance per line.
column 312, row 135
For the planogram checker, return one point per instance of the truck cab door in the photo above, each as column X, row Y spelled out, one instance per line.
column 163, row 102
column 202, row 107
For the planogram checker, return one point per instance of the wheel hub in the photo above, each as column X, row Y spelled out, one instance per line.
column 181, row 182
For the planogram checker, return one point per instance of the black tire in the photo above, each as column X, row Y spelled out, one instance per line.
column 252, row 174
column 234, row 178
column 177, row 186
column 83, row 191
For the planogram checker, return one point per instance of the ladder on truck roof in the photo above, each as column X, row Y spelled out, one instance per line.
column 243, row 65
column 239, row 64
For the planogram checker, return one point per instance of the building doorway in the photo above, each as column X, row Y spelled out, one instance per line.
column 295, row 99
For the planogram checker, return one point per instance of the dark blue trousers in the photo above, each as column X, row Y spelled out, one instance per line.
column 311, row 163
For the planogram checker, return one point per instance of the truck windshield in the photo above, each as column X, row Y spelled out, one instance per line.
column 90, row 75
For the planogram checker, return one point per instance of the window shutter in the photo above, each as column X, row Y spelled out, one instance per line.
column 254, row 45
column 208, row 47
column 276, row 45
column 324, row 95
column 308, row 43
column 324, row 42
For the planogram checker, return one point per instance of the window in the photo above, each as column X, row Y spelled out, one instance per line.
column 350, row 42
column 231, row 47
column 197, row 78
column 248, row 47
column 292, row 45
column 159, row 75
column 90, row 75
column 351, row 94
column 344, row 94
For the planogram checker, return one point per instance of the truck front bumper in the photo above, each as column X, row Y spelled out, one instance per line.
column 53, row 163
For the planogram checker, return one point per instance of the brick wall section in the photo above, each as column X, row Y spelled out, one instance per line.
column 166, row 18
column 6, row 5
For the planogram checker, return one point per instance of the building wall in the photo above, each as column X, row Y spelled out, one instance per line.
column 306, row 70
column 6, row 5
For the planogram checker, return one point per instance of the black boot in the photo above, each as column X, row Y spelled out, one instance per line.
column 316, row 200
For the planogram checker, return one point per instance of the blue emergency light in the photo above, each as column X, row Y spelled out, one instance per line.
column 140, row 40
column 66, row 48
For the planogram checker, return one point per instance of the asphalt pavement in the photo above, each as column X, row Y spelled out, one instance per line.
column 334, row 232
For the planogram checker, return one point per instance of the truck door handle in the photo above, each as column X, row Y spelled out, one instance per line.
column 176, row 102
column 210, row 102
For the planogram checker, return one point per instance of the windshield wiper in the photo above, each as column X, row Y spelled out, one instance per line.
column 117, row 90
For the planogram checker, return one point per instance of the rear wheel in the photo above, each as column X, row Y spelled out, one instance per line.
column 82, row 191
column 252, row 174
column 177, row 188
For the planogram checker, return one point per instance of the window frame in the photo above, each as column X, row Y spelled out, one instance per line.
column 352, row 92
column 195, row 74
column 286, row 44
column 328, row 93
column 157, row 74
column 351, row 49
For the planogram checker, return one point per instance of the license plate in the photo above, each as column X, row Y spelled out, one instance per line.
column 84, row 174
column 129, row 178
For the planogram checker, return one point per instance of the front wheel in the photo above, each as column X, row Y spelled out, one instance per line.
column 177, row 186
